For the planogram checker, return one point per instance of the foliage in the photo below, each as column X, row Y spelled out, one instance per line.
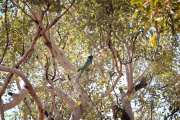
column 105, row 29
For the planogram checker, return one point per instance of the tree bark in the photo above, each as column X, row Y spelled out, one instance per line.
column 76, row 114
column 1, row 110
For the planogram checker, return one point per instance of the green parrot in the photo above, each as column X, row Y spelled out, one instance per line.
column 87, row 64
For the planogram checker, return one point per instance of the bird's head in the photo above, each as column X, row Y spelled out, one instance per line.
column 90, row 57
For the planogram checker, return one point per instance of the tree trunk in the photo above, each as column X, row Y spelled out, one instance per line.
column 127, row 109
column 76, row 114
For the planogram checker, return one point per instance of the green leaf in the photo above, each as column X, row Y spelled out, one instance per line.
column 138, row 2
column 154, row 2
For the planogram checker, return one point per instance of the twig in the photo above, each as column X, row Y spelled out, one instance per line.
column 58, row 17
column 112, row 87
column 114, row 51
column 23, row 10
column 172, row 113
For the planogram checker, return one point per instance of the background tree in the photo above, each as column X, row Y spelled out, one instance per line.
column 135, row 67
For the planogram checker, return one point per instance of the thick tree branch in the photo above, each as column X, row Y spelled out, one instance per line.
column 28, row 86
column 1, row 110
column 17, row 98
column 76, row 110
column 129, row 69
column 76, row 114
column 71, row 104
column 23, row 60
column 129, row 76
column 24, row 99
column 57, row 53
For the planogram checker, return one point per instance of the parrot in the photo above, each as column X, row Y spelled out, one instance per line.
column 153, row 40
column 87, row 64
column 153, row 37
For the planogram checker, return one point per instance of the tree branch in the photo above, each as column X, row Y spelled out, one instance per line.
column 1, row 110
column 58, row 17
column 23, row 10
column 7, row 32
column 24, row 59
column 71, row 104
column 57, row 52
column 112, row 87
column 28, row 86
column 17, row 98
